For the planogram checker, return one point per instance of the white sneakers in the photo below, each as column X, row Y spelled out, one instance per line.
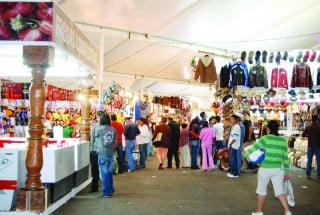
column 232, row 176
column 288, row 213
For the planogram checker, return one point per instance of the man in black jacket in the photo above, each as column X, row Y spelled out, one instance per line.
column 174, row 143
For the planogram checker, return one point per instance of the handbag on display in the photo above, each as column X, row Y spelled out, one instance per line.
column 257, row 156
column 288, row 190
column 157, row 141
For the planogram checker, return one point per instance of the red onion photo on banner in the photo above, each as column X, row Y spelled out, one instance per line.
column 26, row 21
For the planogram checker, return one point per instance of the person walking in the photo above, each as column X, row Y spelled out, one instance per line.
column 174, row 143
column 248, row 140
column 119, row 128
column 130, row 132
column 312, row 132
column 203, row 119
column 150, row 127
column 184, row 146
column 219, row 130
column 106, row 144
column 207, row 137
column 274, row 167
column 162, row 150
column 94, row 154
column 142, row 141
column 194, row 129
column 234, row 145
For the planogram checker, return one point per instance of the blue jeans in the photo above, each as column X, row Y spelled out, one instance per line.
column 106, row 174
column 219, row 144
column 194, row 152
column 129, row 154
column 150, row 149
column 120, row 157
column 235, row 161
column 143, row 151
column 311, row 151
column 239, row 156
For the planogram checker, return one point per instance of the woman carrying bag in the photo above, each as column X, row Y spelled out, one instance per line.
column 274, row 167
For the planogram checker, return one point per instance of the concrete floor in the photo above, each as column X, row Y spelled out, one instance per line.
column 189, row 192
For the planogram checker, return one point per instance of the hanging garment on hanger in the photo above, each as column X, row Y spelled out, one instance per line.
column 258, row 76
column 239, row 74
column 318, row 76
column 301, row 76
column 206, row 70
column 279, row 78
column 225, row 76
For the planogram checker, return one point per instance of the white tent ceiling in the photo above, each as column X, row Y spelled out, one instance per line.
column 149, row 44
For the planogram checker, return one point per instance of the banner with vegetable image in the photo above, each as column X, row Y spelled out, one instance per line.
column 26, row 21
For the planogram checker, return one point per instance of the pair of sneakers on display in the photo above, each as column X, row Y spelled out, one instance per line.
column 261, row 213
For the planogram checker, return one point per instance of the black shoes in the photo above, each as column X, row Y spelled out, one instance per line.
column 161, row 166
column 93, row 191
column 195, row 167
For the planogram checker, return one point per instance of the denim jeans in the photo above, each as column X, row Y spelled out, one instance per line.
column 94, row 170
column 235, row 161
column 239, row 156
column 106, row 174
column 120, row 158
column 150, row 149
column 143, row 148
column 194, row 152
column 129, row 154
column 219, row 144
column 311, row 151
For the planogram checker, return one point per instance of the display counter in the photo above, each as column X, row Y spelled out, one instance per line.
column 12, row 175
column 65, row 166
column 81, row 161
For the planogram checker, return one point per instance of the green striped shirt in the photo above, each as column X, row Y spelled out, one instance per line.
column 276, row 155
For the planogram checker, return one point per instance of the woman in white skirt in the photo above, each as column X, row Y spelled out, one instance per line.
column 184, row 146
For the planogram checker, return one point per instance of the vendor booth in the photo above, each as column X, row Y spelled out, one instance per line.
column 39, row 173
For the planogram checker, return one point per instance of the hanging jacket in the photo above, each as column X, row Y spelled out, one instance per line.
column 206, row 70
column 301, row 76
column 258, row 76
column 225, row 76
column 279, row 78
column 318, row 76
column 239, row 74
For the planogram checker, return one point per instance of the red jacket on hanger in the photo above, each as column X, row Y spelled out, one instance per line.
column 301, row 76
column 279, row 78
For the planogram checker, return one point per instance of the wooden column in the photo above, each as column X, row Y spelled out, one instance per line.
column 85, row 90
column 33, row 197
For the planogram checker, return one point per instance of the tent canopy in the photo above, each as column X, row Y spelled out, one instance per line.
column 148, row 45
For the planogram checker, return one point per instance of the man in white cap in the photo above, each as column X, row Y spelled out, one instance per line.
column 234, row 144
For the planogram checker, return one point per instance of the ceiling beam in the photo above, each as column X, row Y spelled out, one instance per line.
column 131, row 35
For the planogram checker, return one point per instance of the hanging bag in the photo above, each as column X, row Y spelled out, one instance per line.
column 157, row 141
column 257, row 156
column 288, row 190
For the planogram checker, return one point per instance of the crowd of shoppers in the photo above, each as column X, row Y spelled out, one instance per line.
column 182, row 142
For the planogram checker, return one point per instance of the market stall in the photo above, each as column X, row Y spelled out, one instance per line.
column 40, row 38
